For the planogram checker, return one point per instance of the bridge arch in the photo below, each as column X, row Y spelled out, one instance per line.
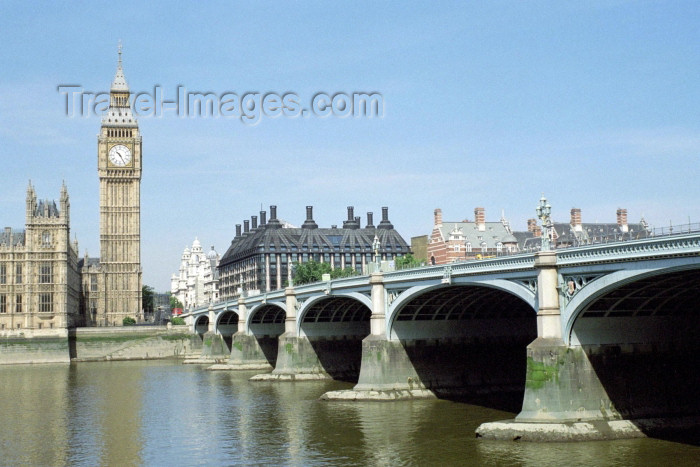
column 227, row 326
column 584, row 302
column 467, row 340
column 267, row 319
column 334, row 327
column 201, row 325
column 519, row 294
column 347, row 307
column 640, row 331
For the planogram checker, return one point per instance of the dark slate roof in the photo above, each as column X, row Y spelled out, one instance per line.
column 90, row 262
column 14, row 238
column 273, row 238
column 46, row 209
column 598, row 232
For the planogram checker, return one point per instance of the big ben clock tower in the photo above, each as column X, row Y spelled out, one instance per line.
column 119, row 170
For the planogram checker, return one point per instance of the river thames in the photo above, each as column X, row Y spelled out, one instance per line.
column 165, row 413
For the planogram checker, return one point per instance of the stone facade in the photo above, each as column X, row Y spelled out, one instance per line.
column 197, row 281
column 39, row 278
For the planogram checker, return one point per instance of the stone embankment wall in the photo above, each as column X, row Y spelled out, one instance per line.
column 34, row 346
column 133, row 343
column 98, row 344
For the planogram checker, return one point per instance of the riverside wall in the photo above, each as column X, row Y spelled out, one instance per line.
column 98, row 344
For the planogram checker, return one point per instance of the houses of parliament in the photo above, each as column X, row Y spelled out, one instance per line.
column 44, row 284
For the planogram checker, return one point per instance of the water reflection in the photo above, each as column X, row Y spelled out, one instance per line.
column 164, row 413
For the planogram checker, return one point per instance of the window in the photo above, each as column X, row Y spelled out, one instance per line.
column 3, row 303
column 18, row 304
column 46, row 239
column 18, row 274
column 3, row 273
column 46, row 273
column 93, row 283
column 499, row 247
column 46, row 302
column 469, row 247
column 483, row 247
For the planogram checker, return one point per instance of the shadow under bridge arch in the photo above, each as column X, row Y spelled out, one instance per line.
column 642, row 338
column 201, row 325
column 227, row 326
column 266, row 324
column 467, row 341
column 335, row 327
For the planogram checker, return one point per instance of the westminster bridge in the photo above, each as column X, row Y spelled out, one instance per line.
column 588, row 335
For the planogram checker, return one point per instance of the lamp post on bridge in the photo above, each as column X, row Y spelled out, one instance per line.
column 544, row 211
column 375, row 247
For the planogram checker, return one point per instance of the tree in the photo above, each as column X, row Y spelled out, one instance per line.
column 406, row 261
column 128, row 321
column 313, row 271
column 148, row 299
column 175, row 303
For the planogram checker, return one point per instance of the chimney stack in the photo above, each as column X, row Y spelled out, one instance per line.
column 254, row 222
column 351, row 223
column 263, row 218
column 622, row 219
column 480, row 218
column 437, row 215
column 246, row 226
column 357, row 221
column 370, row 220
column 309, row 222
column 385, row 224
column 273, row 212
column 576, row 219
column 531, row 225
column 238, row 230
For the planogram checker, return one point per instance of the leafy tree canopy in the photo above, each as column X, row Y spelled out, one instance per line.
column 148, row 298
column 406, row 261
column 175, row 303
column 312, row 271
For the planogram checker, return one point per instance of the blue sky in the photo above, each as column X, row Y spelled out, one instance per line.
column 485, row 104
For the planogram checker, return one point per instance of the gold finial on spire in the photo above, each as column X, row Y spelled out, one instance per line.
column 120, row 53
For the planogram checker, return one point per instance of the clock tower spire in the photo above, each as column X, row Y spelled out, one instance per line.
column 119, row 171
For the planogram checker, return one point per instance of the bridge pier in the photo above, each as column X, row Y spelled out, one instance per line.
column 568, row 388
column 296, row 358
column 246, row 350
column 386, row 371
column 214, row 349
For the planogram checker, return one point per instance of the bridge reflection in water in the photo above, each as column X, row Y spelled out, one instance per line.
column 602, row 333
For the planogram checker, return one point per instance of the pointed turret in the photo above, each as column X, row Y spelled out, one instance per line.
column 119, row 113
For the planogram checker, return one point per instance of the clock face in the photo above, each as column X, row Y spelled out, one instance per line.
column 120, row 155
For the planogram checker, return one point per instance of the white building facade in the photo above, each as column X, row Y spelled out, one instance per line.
column 197, row 281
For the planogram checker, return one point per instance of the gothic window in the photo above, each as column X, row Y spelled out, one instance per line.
column 46, row 239
column 18, row 304
column 46, row 273
column 18, row 274
column 3, row 303
column 93, row 283
column 46, row 302
column 3, row 273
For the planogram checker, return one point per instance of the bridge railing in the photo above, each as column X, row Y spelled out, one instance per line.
column 679, row 229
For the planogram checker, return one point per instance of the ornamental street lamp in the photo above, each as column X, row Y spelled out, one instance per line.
column 375, row 247
column 544, row 210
